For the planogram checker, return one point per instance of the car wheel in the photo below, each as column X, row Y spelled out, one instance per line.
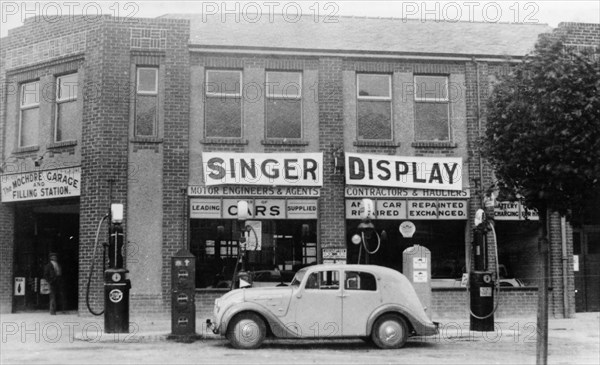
column 246, row 331
column 390, row 332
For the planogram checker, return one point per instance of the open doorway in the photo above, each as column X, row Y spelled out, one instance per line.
column 41, row 228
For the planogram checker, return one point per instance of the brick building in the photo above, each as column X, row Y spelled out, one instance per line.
column 181, row 116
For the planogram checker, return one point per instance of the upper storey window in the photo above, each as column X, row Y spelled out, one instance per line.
column 432, row 108
column 146, row 102
column 284, row 105
column 29, row 117
column 67, row 114
column 374, row 99
column 223, row 104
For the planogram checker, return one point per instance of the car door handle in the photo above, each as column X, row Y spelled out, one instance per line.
column 341, row 295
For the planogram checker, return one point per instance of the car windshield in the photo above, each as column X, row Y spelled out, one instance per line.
column 298, row 277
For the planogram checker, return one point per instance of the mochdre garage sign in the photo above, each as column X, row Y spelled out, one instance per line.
column 285, row 169
column 404, row 171
column 36, row 185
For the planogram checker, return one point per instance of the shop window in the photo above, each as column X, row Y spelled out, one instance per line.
column 284, row 105
column 374, row 103
column 432, row 108
column 67, row 116
column 223, row 104
column 146, row 102
column 444, row 238
column 29, row 114
column 356, row 280
column 285, row 247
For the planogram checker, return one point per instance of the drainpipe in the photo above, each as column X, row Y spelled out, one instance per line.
column 565, row 262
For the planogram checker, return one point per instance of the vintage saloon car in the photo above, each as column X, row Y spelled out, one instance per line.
column 325, row 301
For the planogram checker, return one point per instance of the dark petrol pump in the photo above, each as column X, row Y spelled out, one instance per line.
column 481, row 280
column 116, row 284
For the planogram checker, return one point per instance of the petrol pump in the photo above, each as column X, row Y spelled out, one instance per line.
column 481, row 280
column 367, row 230
column 116, row 284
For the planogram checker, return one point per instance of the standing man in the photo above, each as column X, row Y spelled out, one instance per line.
column 53, row 275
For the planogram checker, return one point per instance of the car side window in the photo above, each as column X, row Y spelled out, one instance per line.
column 356, row 280
column 324, row 280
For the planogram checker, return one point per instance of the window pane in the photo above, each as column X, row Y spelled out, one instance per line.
column 284, row 118
column 431, row 122
column 67, row 122
column 223, row 117
column 223, row 82
column 29, row 127
column 30, row 93
column 373, row 85
column 431, row 87
column 67, row 87
column 286, row 84
column 374, row 120
column 147, row 80
column 360, row 281
column 145, row 115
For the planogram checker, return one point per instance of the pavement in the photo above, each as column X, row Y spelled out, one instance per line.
column 37, row 337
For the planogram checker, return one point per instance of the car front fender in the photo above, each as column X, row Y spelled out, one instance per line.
column 422, row 328
column 278, row 328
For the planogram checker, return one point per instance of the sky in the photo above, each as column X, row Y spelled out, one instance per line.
column 12, row 13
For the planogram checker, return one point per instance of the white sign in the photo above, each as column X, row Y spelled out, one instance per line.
column 407, row 229
column 19, row 286
column 257, row 208
column 575, row 262
column 390, row 192
column 280, row 169
column 420, row 263
column 514, row 211
column 464, row 281
column 485, row 291
column 38, row 185
column 205, row 208
column 253, row 191
column 44, row 287
column 404, row 171
column 419, row 276
column 302, row 209
column 334, row 253
column 411, row 209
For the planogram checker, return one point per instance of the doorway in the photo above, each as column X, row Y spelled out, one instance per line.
column 586, row 252
column 42, row 228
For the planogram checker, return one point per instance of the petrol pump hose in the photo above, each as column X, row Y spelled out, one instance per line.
column 89, row 281
column 497, row 284
column 239, row 258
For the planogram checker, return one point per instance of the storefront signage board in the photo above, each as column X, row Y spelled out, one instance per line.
column 443, row 173
column 390, row 209
column 253, row 191
column 207, row 208
column 270, row 169
column 514, row 211
column 388, row 192
column 38, row 185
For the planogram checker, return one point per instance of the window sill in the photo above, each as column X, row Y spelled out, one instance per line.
column 284, row 142
column 60, row 144
column 146, row 140
column 434, row 144
column 232, row 141
column 27, row 149
column 376, row 144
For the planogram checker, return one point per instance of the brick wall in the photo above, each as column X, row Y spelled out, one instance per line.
column 453, row 303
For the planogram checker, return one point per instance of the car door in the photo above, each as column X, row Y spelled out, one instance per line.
column 319, row 305
column 361, row 295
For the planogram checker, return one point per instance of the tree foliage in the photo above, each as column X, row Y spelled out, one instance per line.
column 543, row 131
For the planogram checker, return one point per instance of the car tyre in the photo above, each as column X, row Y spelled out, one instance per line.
column 390, row 332
column 246, row 331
